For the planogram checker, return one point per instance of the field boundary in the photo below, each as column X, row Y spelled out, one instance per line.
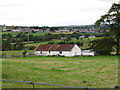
column 32, row 83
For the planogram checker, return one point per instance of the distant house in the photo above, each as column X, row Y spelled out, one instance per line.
column 65, row 30
column 58, row 50
column 87, row 53
column 16, row 30
column 91, row 36
column 63, row 38
column 80, row 37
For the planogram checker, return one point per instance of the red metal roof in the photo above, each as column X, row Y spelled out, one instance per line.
column 55, row 47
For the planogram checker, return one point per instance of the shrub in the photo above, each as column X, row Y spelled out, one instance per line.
column 62, row 43
column 50, row 42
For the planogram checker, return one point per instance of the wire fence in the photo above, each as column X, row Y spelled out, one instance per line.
column 33, row 85
column 30, row 82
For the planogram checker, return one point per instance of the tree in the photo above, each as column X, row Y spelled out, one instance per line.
column 112, row 19
column 52, row 29
column 50, row 42
column 6, row 45
column 75, row 35
column 104, row 45
column 79, row 43
column 62, row 42
column 31, row 37
column 44, row 28
column 68, row 38
column 18, row 46
column 33, row 31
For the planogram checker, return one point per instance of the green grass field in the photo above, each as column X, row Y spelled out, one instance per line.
column 85, row 42
column 12, row 33
column 10, row 54
column 35, row 34
column 36, row 44
column 97, row 71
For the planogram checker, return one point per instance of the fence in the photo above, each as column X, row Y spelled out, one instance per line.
column 33, row 84
column 83, row 88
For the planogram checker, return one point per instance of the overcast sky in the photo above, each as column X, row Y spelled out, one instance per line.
column 52, row 12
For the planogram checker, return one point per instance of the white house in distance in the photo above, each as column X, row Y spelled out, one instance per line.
column 80, row 37
column 58, row 49
column 92, row 36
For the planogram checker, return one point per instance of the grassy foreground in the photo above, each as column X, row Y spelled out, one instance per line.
column 97, row 71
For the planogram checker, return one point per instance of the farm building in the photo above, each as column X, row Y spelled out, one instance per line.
column 87, row 53
column 58, row 49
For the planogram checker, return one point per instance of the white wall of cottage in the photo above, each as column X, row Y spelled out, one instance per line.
column 75, row 51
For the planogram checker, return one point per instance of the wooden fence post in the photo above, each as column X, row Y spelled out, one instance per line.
column 33, row 85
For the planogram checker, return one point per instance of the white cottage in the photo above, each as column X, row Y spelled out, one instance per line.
column 58, row 49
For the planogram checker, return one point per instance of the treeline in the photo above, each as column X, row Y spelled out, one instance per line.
column 103, row 27
column 25, row 37
column 7, row 45
column 22, row 37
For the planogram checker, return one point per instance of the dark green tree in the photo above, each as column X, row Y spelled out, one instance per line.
column 68, row 38
column 6, row 45
column 19, row 46
column 104, row 45
column 52, row 29
column 44, row 28
column 50, row 42
column 112, row 19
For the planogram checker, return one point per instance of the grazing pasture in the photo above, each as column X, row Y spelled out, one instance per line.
column 93, row 72
column 85, row 42
column 15, row 53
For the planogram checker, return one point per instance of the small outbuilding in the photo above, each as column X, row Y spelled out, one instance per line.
column 58, row 50
column 91, row 36
column 87, row 53
column 81, row 37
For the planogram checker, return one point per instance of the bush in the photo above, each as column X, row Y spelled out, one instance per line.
column 79, row 43
column 50, row 42
column 62, row 43
column 31, row 47
column 71, row 43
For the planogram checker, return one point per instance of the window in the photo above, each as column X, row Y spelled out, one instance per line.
column 60, row 52
column 49, row 51
column 41, row 52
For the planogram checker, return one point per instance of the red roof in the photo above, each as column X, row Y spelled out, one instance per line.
column 55, row 47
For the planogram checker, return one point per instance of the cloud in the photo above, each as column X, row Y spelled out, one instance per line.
column 113, row 1
column 51, row 12
column 11, row 5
